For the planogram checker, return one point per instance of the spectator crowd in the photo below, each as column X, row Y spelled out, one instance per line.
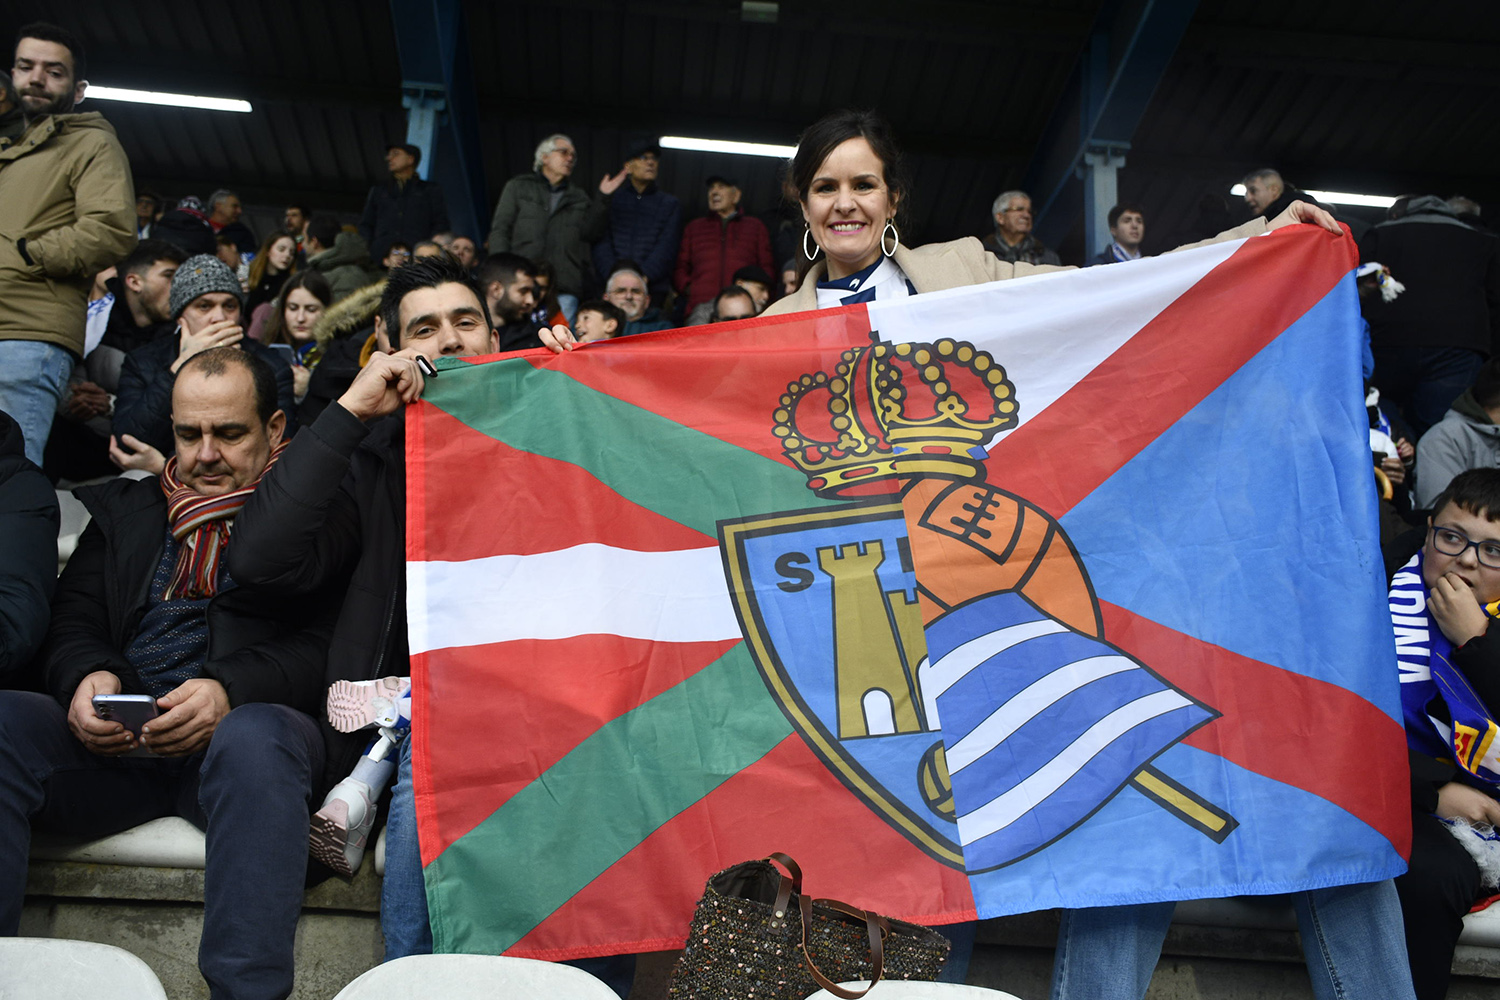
column 228, row 402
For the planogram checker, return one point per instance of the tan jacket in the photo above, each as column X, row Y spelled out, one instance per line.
column 953, row 265
column 65, row 189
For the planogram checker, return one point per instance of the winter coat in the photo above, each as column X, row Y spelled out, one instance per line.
column 28, row 523
column 953, row 265
column 67, row 211
column 262, row 646
column 335, row 505
column 1466, row 438
column 143, row 406
column 346, row 265
column 407, row 213
column 713, row 249
column 651, row 321
column 1030, row 250
column 525, row 224
column 643, row 226
column 1451, row 271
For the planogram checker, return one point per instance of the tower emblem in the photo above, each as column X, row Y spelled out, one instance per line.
column 953, row 674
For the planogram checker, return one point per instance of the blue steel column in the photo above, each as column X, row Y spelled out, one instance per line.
column 1084, row 144
column 437, row 85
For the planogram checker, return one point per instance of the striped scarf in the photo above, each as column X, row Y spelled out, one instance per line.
column 202, row 525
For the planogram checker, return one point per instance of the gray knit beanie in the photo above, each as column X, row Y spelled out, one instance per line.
column 200, row 275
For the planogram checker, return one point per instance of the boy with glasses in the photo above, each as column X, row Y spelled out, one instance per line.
column 1443, row 602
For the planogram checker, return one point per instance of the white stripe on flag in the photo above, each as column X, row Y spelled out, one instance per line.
column 1048, row 340
column 1010, row 806
column 949, row 670
column 589, row 589
column 1030, row 702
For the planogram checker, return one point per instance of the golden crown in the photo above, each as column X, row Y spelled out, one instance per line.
column 869, row 422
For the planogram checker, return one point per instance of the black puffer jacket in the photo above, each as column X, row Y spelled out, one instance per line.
column 334, row 507
column 28, row 567
column 262, row 646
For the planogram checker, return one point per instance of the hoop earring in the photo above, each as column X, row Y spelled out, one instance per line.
column 895, row 238
column 813, row 253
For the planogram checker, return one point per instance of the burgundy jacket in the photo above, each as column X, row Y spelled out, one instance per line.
column 713, row 249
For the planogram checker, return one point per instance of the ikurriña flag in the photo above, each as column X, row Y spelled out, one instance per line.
column 1061, row 591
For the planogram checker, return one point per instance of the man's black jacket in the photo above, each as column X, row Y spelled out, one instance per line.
column 263, row 647
column 334, row 507
column 1451, row 271
column 28, row 554
column 409, row 213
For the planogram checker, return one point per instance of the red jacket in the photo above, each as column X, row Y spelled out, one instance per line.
column 713, row 249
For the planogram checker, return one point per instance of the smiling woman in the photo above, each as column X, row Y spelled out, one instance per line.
column 850, row 184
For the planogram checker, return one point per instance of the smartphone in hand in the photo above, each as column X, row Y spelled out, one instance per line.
column 131, row 711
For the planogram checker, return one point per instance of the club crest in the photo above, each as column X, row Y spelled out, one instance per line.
column 940, row 647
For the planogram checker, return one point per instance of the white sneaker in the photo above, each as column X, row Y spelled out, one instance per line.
column 355, row 705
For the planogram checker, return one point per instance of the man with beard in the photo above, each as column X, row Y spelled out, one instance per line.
column 65, row 182
column 147, row 607
column 509, row 284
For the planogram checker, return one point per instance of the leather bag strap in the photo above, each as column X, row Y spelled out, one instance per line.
column 875, row 925
column 787, row 888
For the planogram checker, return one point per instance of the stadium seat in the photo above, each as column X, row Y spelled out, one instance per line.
column 899, row 989
column 74, row 970
column 475, row 977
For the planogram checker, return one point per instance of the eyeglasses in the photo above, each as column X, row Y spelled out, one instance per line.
column 1455, row 543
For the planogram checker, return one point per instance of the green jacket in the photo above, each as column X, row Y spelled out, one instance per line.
column 67, row 212
column 525, row 224
column 346, row 265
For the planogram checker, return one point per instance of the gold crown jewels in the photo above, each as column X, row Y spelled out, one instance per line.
column 870, row 421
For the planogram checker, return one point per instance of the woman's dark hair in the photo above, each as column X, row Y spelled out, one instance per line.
column 314, row 284
column 823, row 136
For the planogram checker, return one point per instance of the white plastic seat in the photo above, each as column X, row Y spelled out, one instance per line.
column 475, row 977
column 74, row 970
column 168, row 842
column 900, row 989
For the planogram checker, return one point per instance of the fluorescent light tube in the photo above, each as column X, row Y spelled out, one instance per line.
column 166, row 100
column 726, row 146
column 1337, row 197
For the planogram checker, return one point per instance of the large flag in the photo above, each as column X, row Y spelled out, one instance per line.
column 1061, row 591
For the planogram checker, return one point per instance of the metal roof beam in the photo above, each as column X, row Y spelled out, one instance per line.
column 1123, row 59
column 437, row 88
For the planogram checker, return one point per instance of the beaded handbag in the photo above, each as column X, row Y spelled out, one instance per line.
column 755, row 936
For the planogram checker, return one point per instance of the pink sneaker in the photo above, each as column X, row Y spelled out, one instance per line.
column 342, row 827
column 355, row 705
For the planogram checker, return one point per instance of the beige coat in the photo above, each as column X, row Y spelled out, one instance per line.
column 65, row 189
column 953, row 265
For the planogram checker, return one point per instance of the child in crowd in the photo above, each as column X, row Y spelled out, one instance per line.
column 598, row 320
column 341, row 828
column 1443, row 602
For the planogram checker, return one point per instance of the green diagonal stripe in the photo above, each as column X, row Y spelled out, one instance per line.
column 683, row 474
column 598, row 803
